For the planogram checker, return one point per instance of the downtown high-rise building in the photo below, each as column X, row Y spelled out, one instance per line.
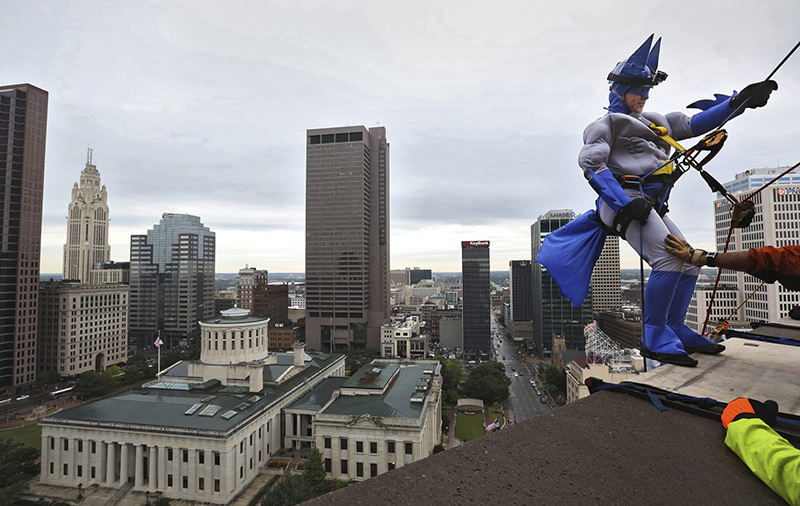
column 347, row 237
column 171, row 280
column 606, row 286
column 476, row 296
column 553, row 314
column 23, row 130
column 252, row 284
column 83, row 319
column 777, row 214
column 520, row 285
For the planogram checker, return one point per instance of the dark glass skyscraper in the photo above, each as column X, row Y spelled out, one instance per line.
column 521, row 285
column 553, row 314
column 477, row 307
column 23, row 129
column 347, row 237
column 172, row 279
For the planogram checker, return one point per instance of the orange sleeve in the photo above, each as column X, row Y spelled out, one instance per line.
column 784, row 260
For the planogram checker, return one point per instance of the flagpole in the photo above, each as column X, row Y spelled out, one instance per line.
column 158, row 373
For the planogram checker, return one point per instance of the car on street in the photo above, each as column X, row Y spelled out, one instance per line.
column 516, row 374
column 23, row 397
column 544, row 401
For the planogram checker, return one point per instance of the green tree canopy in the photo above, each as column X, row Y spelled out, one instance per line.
column 17, row 465
column 488, row 382
column 314, row 473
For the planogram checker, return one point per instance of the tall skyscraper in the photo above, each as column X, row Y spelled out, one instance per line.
column 553, row 314
column 606, row 289
column 521, row 283
column 477, row 304
column 23, row 129
column 83, row 320
column 172, row 279
column 87, row 226
column 347, row 237
column 777, row 213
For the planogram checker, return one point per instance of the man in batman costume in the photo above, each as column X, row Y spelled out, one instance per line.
column 627, row 142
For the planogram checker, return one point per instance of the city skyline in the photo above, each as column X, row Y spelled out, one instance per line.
column 474, row 99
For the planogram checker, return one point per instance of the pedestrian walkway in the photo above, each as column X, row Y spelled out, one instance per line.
column 452, row 429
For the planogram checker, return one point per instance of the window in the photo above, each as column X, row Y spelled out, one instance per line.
column 241, row 471
column 216, row 458
column 51, row 468
column 201, row 457
column 359, row 447
column 251, row 462
column 216, row 485
column 201, row 484
column 80, row 470
column 373, row 470
column 360, row 469
column 343, row 464
column 94, row 446
column 66, row 444
column 169, row 454
column 251, row 440
column 373, row 447
column 241, row 446
column 327, row 465
column 66, row 469
column 390, row 446
column 327, row 442
column 185, row 482
column 80, row 445
column 409, row 448
column 52, row 443
column 185, row 457
column 169, row 480
column 343, row 444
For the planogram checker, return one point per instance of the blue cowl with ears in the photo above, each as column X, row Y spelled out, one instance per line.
column 641, row 65
column 615, row 103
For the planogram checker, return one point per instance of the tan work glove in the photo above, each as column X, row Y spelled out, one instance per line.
column 680, row 248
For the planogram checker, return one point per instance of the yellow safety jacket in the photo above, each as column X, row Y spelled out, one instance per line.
column 773, row 459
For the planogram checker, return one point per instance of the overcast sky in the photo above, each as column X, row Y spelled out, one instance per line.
column 201, row 107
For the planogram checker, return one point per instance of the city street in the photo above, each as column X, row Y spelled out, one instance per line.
column 523, row 398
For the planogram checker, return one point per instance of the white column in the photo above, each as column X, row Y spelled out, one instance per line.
column 162, row 468
column 87, row 472
column 226, row 473
column 45, row 463
column 123, row 464
column 59, row 468
column 75, row 460
column 192, row 470
column 111, row 464
column 102, row 462
column 151, row 471
column 138, row 470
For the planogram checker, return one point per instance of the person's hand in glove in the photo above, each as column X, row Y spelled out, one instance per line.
column 638, row 209
column 749, row 408
column 678, row 247
column 754, row 95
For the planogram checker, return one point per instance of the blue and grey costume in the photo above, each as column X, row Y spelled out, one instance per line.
column 621, row 143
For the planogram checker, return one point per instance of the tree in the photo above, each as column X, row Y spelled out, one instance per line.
column 488, row 382
column 290, row 490
column 452, row 376
column 555, row 379
column 314, row 473
column 16, row 467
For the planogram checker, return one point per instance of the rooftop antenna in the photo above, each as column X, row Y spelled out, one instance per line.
column 89, row 155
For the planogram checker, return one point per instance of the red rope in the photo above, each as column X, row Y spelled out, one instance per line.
column 728, row 240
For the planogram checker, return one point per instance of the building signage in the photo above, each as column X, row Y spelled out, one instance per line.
column 787, row 191
column 474, row 244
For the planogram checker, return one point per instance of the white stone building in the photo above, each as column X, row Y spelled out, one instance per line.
column 404, row 339
column 387, row 415
column 201, row 431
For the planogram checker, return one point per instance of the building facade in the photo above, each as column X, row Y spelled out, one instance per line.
column 520, row 283
column 402, row 338
column 606, row 289
column 200, row 432
column 82, row 327
column 171, row 280
column 87, row 226
column 476, row 309
column 553, row 314
column 347, row 237
column 23, row 130
column 777, row 213
column 248, row 283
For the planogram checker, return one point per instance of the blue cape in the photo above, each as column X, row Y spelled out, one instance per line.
column 569, row 255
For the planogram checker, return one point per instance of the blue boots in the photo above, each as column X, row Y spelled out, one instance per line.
column 676, row 316
column 659, row 341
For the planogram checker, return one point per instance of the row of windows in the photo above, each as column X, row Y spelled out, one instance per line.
column 373, row 446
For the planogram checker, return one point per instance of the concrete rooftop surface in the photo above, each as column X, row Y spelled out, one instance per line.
column 609, row 448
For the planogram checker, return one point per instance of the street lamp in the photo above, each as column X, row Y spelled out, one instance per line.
column 147, row 496
column 80, row 491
